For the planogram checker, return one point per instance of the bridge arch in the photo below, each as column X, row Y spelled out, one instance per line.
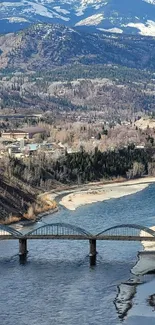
column 7, row 230
column 57, row 229
column 134, row 227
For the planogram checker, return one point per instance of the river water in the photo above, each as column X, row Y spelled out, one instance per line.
column 56, row 286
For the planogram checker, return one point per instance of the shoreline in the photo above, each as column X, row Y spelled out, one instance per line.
column 89, row 194
column 72, row 197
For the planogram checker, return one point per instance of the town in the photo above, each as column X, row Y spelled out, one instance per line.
column 57, row 138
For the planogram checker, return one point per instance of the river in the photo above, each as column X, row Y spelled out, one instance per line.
column 57, row 287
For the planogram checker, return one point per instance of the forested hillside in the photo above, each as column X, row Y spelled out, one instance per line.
column 82, row 166
column 115, row 92
column 42, row 46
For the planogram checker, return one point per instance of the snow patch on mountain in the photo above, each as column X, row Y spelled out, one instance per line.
column 147, row 29
column 150, row 1
column 97, row 7
column 90, row 2
column 9, row 4
column 112, row 30
column 60, row 10
column 93, row 20
column 80, row 12
column 38, row 9
column 43, row 11
column 33, row 8
column 16, row 19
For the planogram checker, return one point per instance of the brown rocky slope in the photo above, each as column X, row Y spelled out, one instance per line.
column 19, row 201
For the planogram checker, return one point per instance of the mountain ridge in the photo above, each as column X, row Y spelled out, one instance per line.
column 45, row 46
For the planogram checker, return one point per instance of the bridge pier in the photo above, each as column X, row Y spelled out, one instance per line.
column 22, row 247
column 92, row 252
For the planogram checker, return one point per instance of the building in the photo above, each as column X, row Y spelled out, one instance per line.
column 15, row 152
column 15, row 135
column 25, row 133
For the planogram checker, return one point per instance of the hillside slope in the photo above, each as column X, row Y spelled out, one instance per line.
column 14, row 201
column 20, row 201
column 46, row 46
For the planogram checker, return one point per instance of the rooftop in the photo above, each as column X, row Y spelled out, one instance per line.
column 15, row 131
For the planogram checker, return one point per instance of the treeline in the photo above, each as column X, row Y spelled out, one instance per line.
column 82, row 167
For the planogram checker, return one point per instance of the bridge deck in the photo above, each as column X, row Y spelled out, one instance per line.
column 81, row 237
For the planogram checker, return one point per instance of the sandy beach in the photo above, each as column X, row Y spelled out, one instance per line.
column 100, row 193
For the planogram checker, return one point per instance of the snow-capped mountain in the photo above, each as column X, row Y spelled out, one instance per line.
column 129, row 16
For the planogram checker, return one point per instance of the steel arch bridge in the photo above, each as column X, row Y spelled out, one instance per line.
column 68, row 231
column 123, row 232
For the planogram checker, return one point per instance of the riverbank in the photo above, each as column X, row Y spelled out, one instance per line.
column 148, row 245
column 72, row 197
column 102, row 192
column 146, row 258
